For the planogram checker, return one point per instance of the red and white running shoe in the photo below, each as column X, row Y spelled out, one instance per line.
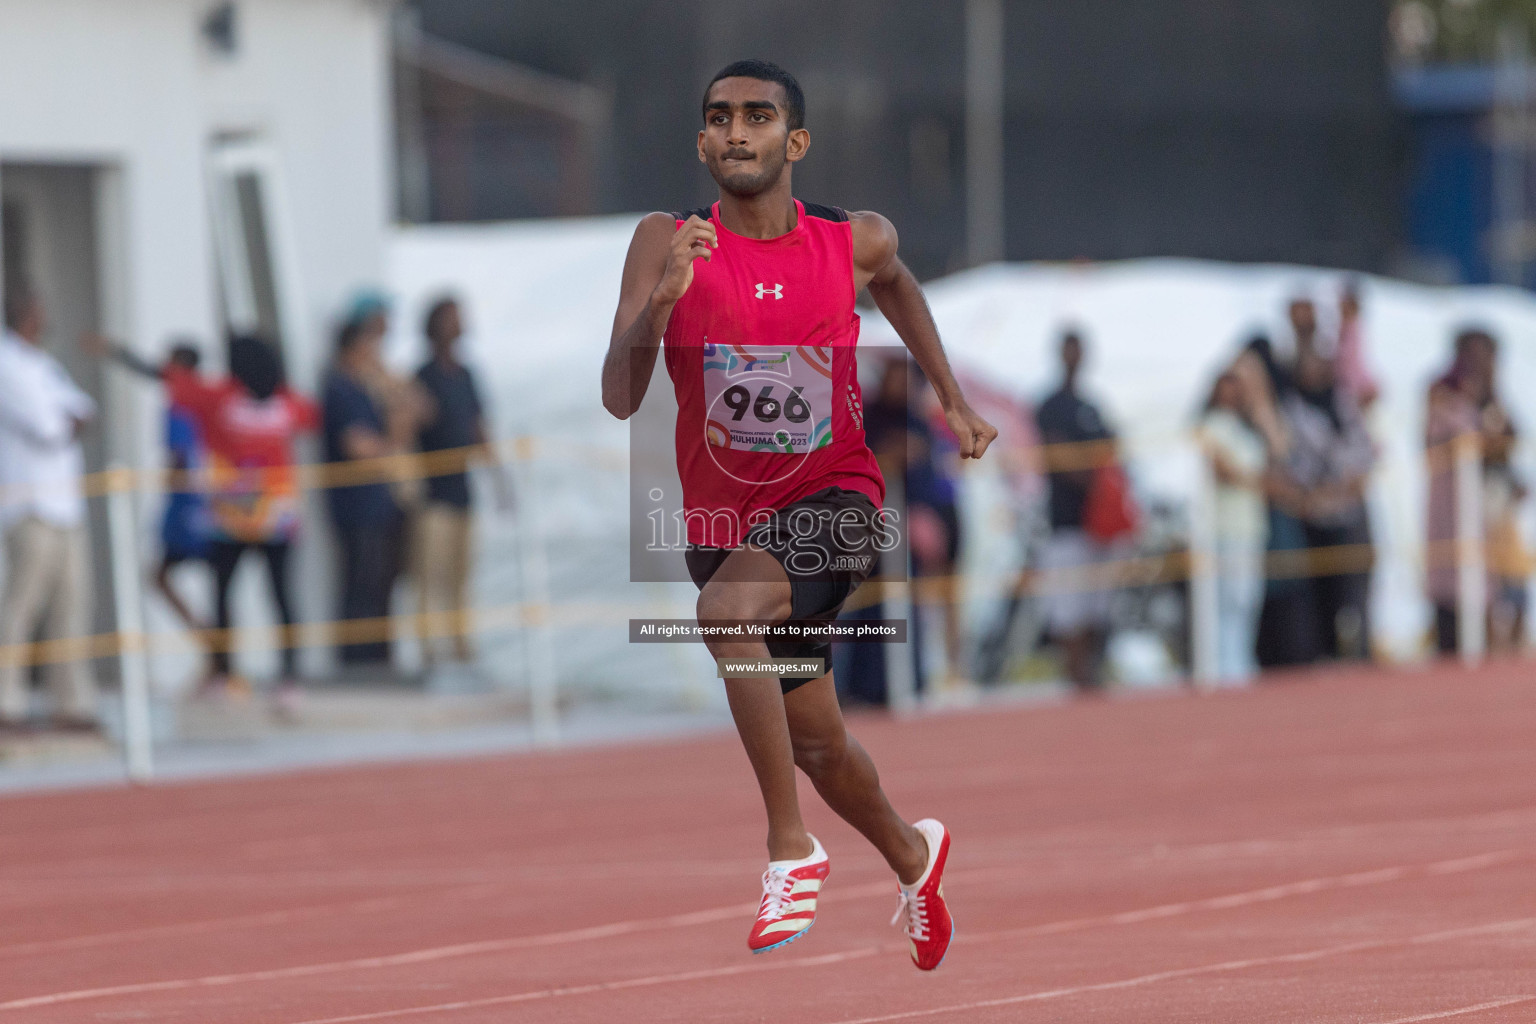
column 923, row 914
column 790, row 891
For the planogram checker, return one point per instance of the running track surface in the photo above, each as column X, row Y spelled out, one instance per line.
column 1344, row 848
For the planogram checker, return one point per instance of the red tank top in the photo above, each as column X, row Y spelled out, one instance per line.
column 760, row 349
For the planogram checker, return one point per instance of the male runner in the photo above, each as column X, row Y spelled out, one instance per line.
column 755, row 298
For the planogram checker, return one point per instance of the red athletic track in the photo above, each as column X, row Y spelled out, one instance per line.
column 1353, row 848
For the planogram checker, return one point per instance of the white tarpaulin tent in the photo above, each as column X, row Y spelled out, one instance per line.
column 1158, row 330
column 539, row 299
column 540, row 296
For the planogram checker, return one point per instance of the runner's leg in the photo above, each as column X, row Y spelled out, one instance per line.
column 172, row 597
column 459, row 558
column 34, row 551
column 845, row 776
column 224, row 556
column 277, row 555
column 752, row 585
column 73, row 681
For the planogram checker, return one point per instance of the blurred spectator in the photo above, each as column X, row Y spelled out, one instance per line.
column 1354, row 376
column 1287, row 634
column 859, row 669
column 1079, row 445
column 1302, row 314
column 1262, row 383
column 368, row 414
column 1464, row 401
column 42, row 515
column 1238, row 457
column 249, row 421
column 1504, row 491
column 444, row 524
column 885, row 418
column 933, row 518
column 1318, row 502
column 184, row 526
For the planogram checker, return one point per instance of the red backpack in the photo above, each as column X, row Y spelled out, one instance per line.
column 1111, row 511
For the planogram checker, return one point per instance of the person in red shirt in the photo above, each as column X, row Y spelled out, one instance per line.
column 249, row 421
column 754, row 299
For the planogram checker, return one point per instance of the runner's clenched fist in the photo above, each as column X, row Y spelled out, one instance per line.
column 694, row 240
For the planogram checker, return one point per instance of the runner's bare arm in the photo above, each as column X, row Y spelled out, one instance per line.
column 657, row 271
column 899, row 296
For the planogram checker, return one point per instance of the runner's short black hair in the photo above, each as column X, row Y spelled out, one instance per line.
column 766, row 71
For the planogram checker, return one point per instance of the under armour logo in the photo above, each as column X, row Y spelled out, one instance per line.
column 777, row 291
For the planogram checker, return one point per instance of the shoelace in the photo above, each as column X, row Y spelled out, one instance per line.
column 777, row 894
column 914, row 907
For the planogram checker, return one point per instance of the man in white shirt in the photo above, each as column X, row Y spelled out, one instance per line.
column 42, row 518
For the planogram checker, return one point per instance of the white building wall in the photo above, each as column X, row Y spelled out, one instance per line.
column 312, row 80
column 93, row 81
column 132, row 85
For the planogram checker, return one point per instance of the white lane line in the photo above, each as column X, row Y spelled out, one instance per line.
column 661, row 979
column 1224, row 966
column 263, row 918
column 617, row 928
column 31, row 889
column 128, row 884
column 270, row 917
column 1265, row 895
column 1496, row 1004
column 608, row 986
column 982, row 874
column 1010, row 847
column 1446, row 867
column 418, row 956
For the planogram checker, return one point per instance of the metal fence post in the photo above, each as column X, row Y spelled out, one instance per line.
column 138, row 742
column 1204, row 613
column 543, row 682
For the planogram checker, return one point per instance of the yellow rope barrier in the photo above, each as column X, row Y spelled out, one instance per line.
column 1172, row 567
column 382, row 469
column 1058, row 457
column 1061, row 457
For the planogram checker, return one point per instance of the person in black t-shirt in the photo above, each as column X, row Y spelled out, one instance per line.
column 1077, row 614
column 444, row 523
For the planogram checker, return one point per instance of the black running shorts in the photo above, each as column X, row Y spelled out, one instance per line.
column 827, row 543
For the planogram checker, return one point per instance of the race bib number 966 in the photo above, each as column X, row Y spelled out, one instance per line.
column 763, row 398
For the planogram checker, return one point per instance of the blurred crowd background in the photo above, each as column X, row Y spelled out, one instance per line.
column 1244, row 285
